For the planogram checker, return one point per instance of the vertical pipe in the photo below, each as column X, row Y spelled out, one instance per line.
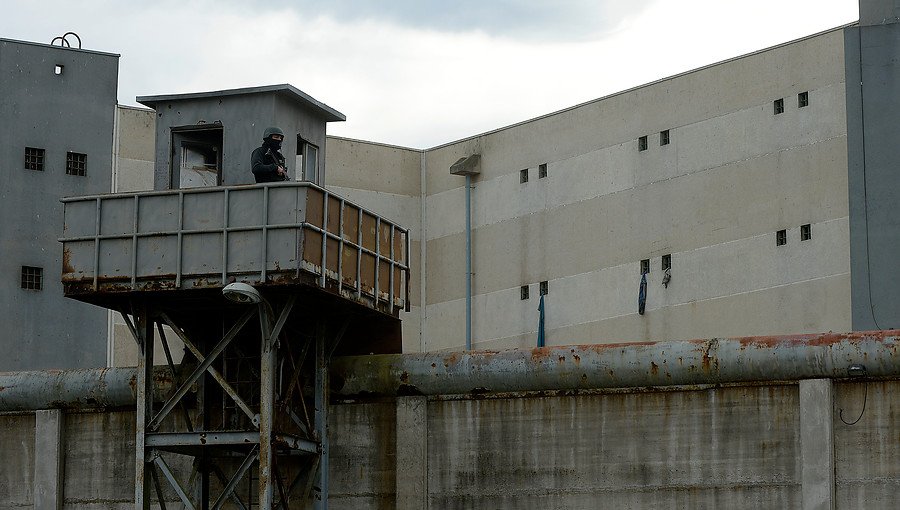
column 468, row 262
column 423, row 311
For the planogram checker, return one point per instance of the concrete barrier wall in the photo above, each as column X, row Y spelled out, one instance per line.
column 774, row 445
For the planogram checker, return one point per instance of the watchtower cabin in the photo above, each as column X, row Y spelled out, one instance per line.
column 261, row 283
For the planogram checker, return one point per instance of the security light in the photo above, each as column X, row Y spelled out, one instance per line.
column 241, row 293
column 856, row 370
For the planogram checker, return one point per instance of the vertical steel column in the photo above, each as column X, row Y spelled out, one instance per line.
column 468, row 262
column 144, row 409
column 266, row 411
column 320, row 502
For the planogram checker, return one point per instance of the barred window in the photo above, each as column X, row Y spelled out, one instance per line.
column 523, row 292
column 32, row 278
column 781, row 238
column 76, row 163
column 34, row 159
column 544, row 288
column 542, row 171
column 642, row 143
column 778, row 106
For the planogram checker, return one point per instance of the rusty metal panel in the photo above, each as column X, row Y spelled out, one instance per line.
column 274, row 234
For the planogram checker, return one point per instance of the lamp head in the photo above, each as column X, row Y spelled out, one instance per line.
column 856, row 370
column 241, row 293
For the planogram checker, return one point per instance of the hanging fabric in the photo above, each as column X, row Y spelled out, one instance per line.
column 540, row 338
column 642, row 294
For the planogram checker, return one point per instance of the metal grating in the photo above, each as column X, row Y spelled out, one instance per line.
column 76, row 163
column 32, row 278
column 34, row 159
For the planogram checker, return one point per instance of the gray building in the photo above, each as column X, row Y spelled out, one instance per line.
column 57, row 106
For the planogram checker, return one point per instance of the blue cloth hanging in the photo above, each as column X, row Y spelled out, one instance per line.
column 642, row 294
column 540, row 339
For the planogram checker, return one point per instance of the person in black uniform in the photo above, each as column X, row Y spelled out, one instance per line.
column 267, row 162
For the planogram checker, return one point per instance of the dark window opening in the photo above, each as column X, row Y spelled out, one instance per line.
column 645, row 266
column 664, row 137
column 542, row 171
column 307, row 161
column 779, row 106
column 805, row 232
column 523, row 292
column 34, row 159
column 545, row 288
column 76, row 163
column 781, row 238
column 197, row 156
column 666, row 262
column 803, row 99
column 58, row 69
column 642, row 143
column 523, row 176
column 32, row 278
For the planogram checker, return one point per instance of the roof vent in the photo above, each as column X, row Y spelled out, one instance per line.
column 469, row 165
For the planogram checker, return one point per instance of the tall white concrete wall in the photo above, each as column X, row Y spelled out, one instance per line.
column 732, row 175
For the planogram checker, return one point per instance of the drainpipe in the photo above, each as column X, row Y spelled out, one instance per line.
column 468, row 166
column 468, row 262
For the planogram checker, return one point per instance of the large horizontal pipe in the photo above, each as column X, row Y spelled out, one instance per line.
column 96, row 388
column 697, row 362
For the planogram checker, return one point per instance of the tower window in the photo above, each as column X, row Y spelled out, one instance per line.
column 32, row 278
column 34, row 159
column 779, row 106
column 642, row 143
column 805, row 232
column 645, row 266
column 803, row 99
column 523, row 176
column 542, row 171
column 523, row 292
column 781, row 238
column 666, row 262
column 664, row 137
column 545, row 289
column 58, row 69
column 76, row 163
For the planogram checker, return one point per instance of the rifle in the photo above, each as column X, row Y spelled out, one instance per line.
column 279, row 160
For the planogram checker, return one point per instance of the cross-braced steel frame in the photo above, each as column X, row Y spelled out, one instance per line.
column 236, row 414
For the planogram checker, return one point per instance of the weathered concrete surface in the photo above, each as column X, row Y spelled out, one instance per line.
column 17, row 461
column 867, row 454
column 48, row 459
column 732, row 447
column 412, row 453
column 817, row 439
column 363, row 459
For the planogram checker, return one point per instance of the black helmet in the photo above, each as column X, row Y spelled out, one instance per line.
column 272, row 131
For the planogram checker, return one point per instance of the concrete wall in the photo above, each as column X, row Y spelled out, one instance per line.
column 73, row 111
column 739, row 446
column 732, row 175
column 873, row 110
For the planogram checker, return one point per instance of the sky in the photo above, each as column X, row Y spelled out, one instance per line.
column 419, row 73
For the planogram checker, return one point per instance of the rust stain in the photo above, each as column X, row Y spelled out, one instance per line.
column 67, row 262
column 654, row 368
column 576, row 358
column 404, row 377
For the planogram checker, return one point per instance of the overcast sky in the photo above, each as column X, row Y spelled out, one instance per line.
column 419, row 73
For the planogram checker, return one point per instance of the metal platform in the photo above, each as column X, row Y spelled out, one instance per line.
column 320, row 277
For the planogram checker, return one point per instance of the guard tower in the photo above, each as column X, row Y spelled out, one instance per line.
column 205, row 138
column 263, row 284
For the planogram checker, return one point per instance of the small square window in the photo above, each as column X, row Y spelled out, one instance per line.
column 664, row 137
column 666, row 262
column 642, row 143
column 781, row 238
column 32, row 278
column 34, row 159
column 58, row 69
column 645, row 266
column 779, row 106
column 803, row 99
column 805, row 232
column 523, row 292
column 76, row 163
column 523, row 176
column 544, row 288
column 542, row 171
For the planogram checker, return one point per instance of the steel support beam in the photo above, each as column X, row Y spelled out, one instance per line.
column 780, row 358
